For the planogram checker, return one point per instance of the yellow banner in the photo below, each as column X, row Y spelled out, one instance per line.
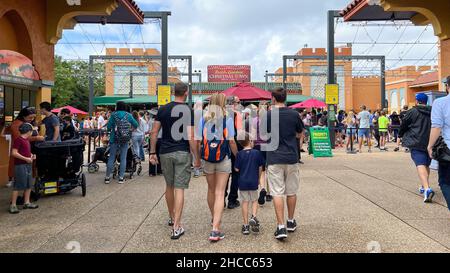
column 164, row 93
column 332, row 94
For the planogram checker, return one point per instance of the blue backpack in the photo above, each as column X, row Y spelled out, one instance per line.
column 215, row 150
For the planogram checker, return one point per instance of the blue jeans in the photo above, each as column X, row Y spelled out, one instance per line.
column 444, row 180
column 138, row 146
column 123, row 150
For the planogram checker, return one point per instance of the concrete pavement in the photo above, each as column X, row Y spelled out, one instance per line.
column 348, row 203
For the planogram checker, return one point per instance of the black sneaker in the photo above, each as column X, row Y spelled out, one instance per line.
column 269, row 198
column 234, row 205
column 246, row 229
column 291, row 226
column 254, row 223
column 107, row 180
column 281, row 234
column 262, row 197
column 176, row 234
column 121, row 180
column 216, row 236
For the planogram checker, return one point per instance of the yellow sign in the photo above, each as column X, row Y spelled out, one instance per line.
column 332, row 94
column 164, row 92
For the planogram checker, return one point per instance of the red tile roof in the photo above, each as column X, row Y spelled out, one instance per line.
column 131, row 4
column 353, row 7
column 426, row 79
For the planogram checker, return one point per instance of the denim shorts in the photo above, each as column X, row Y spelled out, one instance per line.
column 420, row 158
column 364, row 132
column 23, row 179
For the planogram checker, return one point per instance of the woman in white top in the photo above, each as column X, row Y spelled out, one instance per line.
column 137, row 137
column 350, row 123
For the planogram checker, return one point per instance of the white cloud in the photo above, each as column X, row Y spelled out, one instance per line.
column 259, row 32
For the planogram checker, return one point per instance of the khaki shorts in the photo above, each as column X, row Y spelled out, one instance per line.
column 248, row 196
column 221, row 167
column 176, row 169
column 284, row 179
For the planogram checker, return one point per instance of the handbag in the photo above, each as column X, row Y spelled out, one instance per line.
column 441, row 152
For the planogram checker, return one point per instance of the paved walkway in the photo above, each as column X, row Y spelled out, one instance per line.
column 345, row 203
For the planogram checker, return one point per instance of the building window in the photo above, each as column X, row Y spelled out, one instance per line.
column 318, row 83
column 12, row 100
column 402, row 97
column 122, row 80
column 394, row 100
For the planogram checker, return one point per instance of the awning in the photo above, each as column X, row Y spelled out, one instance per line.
column 128, row 12
column 154, row 99
column 107, row 100
column 300, row 98
column 370, row 10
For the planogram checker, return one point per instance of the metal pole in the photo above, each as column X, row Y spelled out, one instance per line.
column 131, row 85
column 383, row 83
column 91, row 86
column 164, row 50
column 331, row 76
column 284, row 72
column 267, row 81
column 190, row 80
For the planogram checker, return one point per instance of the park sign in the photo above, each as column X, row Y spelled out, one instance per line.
column 229, row 73
column 164, row 94
column 332, row 94
column 319, row 143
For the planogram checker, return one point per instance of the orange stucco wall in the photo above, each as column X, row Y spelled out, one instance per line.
column 23, row 29
column 31, row 35
column 366, row 91
column 444, row 61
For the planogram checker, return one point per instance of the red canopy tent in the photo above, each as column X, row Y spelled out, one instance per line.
column 73, row 110
column 246, row 91
column 311, row 103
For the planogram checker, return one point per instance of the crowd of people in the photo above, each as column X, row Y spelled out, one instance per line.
column 249, row 154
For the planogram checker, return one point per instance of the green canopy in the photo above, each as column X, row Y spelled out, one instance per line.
column 107, row 100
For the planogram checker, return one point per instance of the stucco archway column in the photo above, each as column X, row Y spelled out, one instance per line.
column 435, row 12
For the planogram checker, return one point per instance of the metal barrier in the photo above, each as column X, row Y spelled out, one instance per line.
column 93, row 134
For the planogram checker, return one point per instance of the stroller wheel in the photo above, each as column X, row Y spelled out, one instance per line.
column 139, row 170
column 97, row 167
column 92, row 168
column 83, row 185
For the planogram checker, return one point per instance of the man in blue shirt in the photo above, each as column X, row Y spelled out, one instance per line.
column 440, row 119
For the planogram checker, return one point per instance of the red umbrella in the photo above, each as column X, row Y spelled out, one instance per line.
column 246, row 91
column 73, row 110
column 311, row 103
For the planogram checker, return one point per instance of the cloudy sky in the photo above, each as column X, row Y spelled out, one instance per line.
column 253, row 32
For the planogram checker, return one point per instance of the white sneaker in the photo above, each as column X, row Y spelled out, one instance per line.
column 121, row 181
column 107, row 180
column 10, row 184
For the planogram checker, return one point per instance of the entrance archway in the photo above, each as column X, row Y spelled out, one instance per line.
column 15, row 35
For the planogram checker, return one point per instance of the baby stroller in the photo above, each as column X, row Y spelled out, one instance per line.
column 133, row 163
column 101, row 154
column 59, row 167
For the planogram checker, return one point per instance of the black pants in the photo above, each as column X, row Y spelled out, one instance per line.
column 444, row 180
column 233, row 196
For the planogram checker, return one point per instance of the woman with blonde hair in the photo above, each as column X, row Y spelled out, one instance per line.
column 217, row 143
column 350, row 123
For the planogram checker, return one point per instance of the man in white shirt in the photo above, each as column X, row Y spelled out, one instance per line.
column 364, row 128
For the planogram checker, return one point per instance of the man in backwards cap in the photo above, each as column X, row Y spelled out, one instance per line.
column 440, row 119
column 415, row 133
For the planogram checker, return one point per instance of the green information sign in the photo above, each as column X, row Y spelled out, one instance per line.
column 319, row 143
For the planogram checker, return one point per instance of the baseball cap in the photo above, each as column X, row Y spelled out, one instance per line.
column 422, row 98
